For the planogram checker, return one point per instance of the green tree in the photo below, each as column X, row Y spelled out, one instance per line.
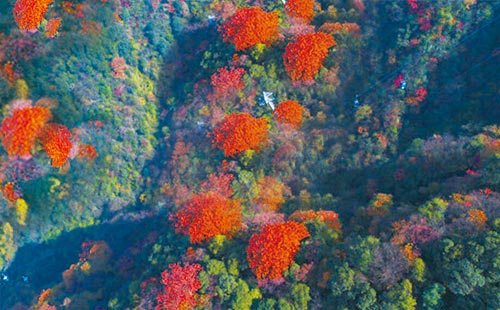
column 360, row 252
column 432, row 297
column 300, row 296
column 243, row 296
column 350, row 293
column 419, row 270
column 434, row 210
column 342, row 280
column 400, row 297
column 265, row 304
column 464, row 277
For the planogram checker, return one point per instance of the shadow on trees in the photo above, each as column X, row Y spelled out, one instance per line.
column 44, row 263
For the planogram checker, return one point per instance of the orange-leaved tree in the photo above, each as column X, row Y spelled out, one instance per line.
column 56, row 141
column 206, row 215
column 304, row 57
column 29, row 13
column 303, row 9
column 478, row 217
column 240, row 132
column 249, row 27
column 180, row 287
column 20, row 131
column 52, row 27
column 289, row 112
column 271, row 252
column 270, row 193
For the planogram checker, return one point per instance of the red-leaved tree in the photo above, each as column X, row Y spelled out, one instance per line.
column 226, row 82
column 87, row 151
column 20, row 131
column 249, row 27
column 56, row 141
column 240, row 132
column 219, row 183
column 206, row 215
column 289, row 112
column 304, row 57
column 303, row 9
column 180, row 287
column 29, row 13
column 271, row 252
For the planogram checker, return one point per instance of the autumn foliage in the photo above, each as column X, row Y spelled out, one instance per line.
column 206, row 215
column 303, row 9
column 304, row 57
column 218, row 183
column 119, row 67
column 289, row 112
column 180, row 287
column 29, row 13
column 271, row 252
column 249, row 27
column 270, row 193
column 20, row 131
column 87, row 151
column 340, row 27
column 56, row 141
column 419, row 96
column 478, row 217
column 240, row 132
column 227, row 82
column 330, row 218
column 9, row 192
column 52, row 27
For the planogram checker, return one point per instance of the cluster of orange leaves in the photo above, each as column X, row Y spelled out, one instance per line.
column 330, row 218
column 9, row 192
column 304, row 57
column 339, row 27
column 29, row 13
column 56, row 141
column 20, row 131
column 289, row 112
column 249, row 27
column 303, row 9
column 206, row 215
column 27, row 125
column 8, row 72
column 271, row 252
column 87, row 151
column 380, row 204
column 52, row 27
column 409, row 252
column 42, row 299
column 477, row 217
column 270, row 193
column 240, row 132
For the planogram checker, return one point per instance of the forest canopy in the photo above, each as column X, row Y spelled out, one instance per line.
column 253, row 155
